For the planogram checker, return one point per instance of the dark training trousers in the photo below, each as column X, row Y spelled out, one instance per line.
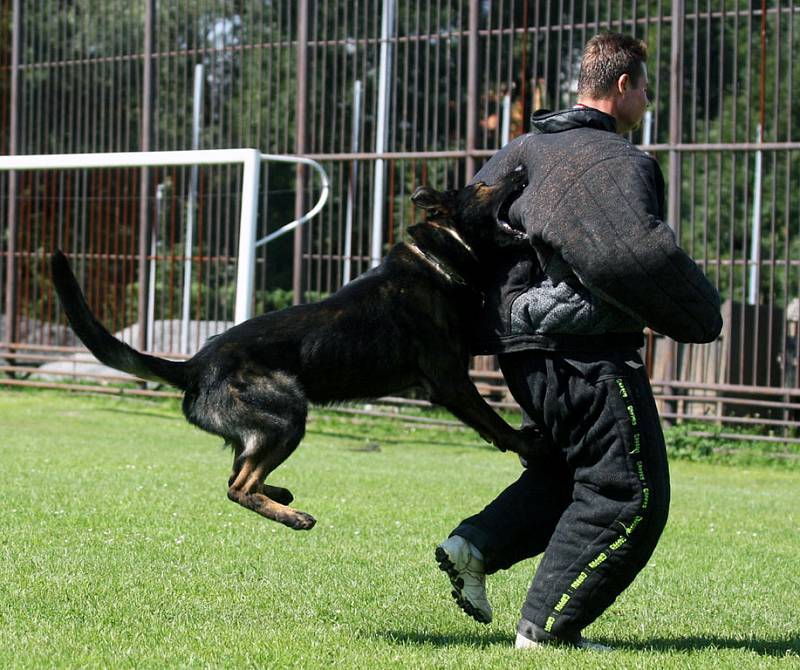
column 597, row 508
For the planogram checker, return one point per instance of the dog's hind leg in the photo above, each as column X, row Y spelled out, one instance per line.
column 277, row 493
column 270, row 413
column 248, row 489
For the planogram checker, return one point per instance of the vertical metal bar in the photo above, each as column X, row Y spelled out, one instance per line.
column 151, row 269
column 771, row 313
column 232, row 175
column 449, row 81
column 11, row 210
column 488, row 86
column 754, row 274
column 523, row 66
column 144, row 145
column 381, row 130
column 570, row 37
column 472, row 87
column 458, row 20
column 505, row 116
column 755, row 241
column 406, row 87
column 674, row 197
column 351, row 190
column 300, row 144
column 560, row 104
column 675, row 111
column 315, row 246
column 247, row 237
column 188, row 242
column 536, row 94
column 434, row 144
column 786, row 380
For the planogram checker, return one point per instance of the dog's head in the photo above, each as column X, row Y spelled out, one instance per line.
column 477, row 213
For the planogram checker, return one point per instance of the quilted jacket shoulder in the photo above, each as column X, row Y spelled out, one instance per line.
column 606, row 264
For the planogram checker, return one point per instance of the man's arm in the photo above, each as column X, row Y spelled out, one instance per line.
column 504, row 162
column 608, row 229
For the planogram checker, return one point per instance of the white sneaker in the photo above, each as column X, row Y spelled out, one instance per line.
column 523, row 642
column 463, row 563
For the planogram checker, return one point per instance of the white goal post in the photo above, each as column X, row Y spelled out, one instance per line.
column 250, row 160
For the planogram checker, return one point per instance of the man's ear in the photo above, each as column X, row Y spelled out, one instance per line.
column 623, row 83
column 427, row 198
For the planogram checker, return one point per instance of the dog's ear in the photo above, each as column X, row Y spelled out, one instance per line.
column 435, row 203
column 425, row 197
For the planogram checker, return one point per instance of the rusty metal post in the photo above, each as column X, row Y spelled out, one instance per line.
column 300, row 145
column 11, row 210
column 675, row 113
column 145, row 144
column 674, row 193
column 472, row 87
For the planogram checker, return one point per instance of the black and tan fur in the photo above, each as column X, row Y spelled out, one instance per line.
column 404, row 324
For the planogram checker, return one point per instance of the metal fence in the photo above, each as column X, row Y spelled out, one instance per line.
column 388, row 94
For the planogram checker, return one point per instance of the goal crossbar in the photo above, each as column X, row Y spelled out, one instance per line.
column 250, row 159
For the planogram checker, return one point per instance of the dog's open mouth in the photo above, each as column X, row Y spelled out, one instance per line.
column 503, row 218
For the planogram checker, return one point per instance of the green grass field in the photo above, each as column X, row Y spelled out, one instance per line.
column 119, row 549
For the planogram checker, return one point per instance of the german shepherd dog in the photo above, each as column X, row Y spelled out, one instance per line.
column 404, row 324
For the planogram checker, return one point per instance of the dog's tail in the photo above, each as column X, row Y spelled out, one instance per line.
column 107, row 348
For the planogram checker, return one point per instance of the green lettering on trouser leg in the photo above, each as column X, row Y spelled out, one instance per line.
column 580, row 579
column 636, row 521
column 597, row 561
column 616, row 544
column 622, row 539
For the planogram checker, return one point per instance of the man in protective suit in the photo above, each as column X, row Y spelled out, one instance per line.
column 567, row 325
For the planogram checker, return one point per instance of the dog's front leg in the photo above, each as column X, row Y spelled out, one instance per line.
column 464, row 401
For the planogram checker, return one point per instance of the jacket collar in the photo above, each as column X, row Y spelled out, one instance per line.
column 545, row 121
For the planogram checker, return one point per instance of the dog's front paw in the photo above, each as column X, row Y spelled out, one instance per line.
column 531, row 443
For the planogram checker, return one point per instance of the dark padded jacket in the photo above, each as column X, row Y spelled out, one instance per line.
column 606, row 263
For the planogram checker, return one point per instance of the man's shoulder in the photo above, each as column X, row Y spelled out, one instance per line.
column 595, row 147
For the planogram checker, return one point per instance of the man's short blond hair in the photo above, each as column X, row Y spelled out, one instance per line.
column 606, row 57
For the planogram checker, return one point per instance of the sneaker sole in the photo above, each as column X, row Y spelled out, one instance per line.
column 446, row 565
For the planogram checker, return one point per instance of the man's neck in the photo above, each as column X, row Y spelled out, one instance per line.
column 601, row 104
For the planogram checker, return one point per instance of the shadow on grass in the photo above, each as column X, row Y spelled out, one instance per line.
column 138, row 412
column 773, row 647
column 447, row 639
column 405, row 439
column 778, row 647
